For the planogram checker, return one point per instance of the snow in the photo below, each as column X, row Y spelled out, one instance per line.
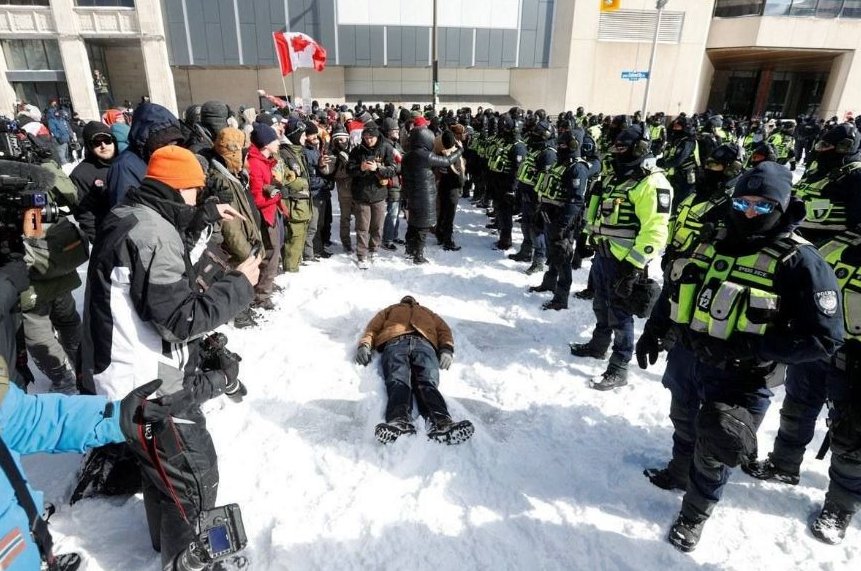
column 551, row 480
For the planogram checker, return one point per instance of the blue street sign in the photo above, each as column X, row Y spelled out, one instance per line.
column 635, row 75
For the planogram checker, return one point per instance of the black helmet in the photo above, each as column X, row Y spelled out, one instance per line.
column 543, row 131
column 505, row 124
column 728, row 155
column 588, row 149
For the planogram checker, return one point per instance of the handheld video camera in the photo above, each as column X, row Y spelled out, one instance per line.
column 23, row 209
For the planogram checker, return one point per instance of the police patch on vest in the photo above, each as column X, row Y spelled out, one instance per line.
column 826, row 301
column 664, row 200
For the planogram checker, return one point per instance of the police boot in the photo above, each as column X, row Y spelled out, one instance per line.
column 419, row 256
column 555, row 304
column 447, row 432
column 615, row 376
column 585, row 294
column 766, row 470
column 831, row 523
column 589, row 349
column 522, row 255
column 686, row 532
column 664, row 479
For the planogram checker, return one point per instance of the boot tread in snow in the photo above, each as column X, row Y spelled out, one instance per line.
column 831, row 523
column 451, row 432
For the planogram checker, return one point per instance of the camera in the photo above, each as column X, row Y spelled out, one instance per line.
column 23, row 209
column 221, row 532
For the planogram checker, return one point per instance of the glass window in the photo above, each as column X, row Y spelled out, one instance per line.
column 828, row 8
column 40, row 93
column 106, row 3
column 24, row 2
column 777, row 7
column 851, row 9
column 733, row 8
column 803, row 8
column 24, row 55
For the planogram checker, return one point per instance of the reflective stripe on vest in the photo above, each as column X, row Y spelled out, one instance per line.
column 688, row 223
column 500, row 161
column 616, row 217
column 821, row 212
column 848, row 278
column 691, row 162
column 719, row 295
column 549, row 185
column 526, row 171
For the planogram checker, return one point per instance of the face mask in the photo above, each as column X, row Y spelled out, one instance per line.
column 712, row 178
column 828, row 159
column 744, row 227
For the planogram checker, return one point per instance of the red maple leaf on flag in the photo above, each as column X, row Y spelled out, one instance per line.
column 299, row 43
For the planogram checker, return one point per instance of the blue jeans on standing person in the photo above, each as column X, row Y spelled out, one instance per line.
column 392, row 222
column 61, row 153
column 708, row 476
column 411, row 366
column 612, row 324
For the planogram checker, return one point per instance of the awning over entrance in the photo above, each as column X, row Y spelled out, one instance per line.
column 754, row 81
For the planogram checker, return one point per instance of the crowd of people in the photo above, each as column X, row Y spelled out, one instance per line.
column 190, row 221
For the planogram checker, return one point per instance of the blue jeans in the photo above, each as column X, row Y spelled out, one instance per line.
column 411, row 366
column 611, row 323
column 392, row 222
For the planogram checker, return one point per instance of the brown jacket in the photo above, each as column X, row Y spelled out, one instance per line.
column 403, row 318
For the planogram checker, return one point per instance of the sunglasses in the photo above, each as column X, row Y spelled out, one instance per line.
column 760, row 207
column 100, row 142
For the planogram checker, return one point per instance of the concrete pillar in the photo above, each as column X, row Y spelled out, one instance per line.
column 762, row 91
column 73, row 51
column 840, row 94
column 155, row 56
column 7, row 94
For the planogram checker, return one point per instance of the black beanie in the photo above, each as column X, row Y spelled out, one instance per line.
column 262, row 135
column 311, row 129
column 767, row 180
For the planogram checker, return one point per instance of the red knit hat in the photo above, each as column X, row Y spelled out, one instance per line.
column 176, row 167
column 421, row 122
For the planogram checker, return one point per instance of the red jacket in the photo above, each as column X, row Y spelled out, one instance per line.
column 260, row 175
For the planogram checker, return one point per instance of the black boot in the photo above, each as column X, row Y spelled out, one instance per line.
column 450, row 246
column 662, row 478
column 387, row 432
column 615, row 376
column 588, row 350
column 536, row 267
column 447, row 432
column 766, row 470
column 586, row 294
column 554, row 304
column 244, row 319
column 522, row 255
column 685, row 533
column 831, row 523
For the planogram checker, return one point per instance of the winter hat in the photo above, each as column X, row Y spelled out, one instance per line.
column 420, row 121
column 767, row 180
column 213, row 116
column 311, row 129
column 294, row 130
column 366, row 118
column 409, row 299
column 338, row 131
column 96, row 128
column 162, row 136
column 176, row 167
column 262, row 135
column 371, row 129
column 458, row 130
column 266, row 119
column 839, row 133
column 228, row 145
column 390, row 124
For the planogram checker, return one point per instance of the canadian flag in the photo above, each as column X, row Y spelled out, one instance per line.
column 295, row 50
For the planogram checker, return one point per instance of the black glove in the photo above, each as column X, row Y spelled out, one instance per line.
column 17, row 273
column 137, row 411
column 626, row 277
column 236, row 391
column 363, row 354
column 648, row 345
column 228, row 363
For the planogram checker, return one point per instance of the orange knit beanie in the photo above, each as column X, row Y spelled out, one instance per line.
column 176, row 167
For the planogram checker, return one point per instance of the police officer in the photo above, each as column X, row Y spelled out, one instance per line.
column 841, row 377
column 508, row 155
column 699, row 217
column 783, row 143
column 743, row 304
column 561, row 192
column 627, row 221
column 540, row 159
column 657, row 134
column 682, row 158
column 833, row 204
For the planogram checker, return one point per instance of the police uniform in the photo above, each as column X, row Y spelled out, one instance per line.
column 829, row 212
column 561, row 193
column 699, row 217
column 681, row 162
column 743, row 306
column 541, row 158
column 502, row 166
column 627, row 222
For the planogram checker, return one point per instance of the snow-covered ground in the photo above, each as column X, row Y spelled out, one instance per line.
column 551, row 480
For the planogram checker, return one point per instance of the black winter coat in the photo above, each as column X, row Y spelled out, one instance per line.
column 90, row 178
column 418, row 180
column 370, row 187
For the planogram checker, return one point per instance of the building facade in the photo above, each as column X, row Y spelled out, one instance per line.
column 777, row 57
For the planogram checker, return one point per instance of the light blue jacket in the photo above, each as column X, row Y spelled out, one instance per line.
column 44, row 423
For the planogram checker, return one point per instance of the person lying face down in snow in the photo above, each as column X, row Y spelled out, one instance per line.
column 415, row 343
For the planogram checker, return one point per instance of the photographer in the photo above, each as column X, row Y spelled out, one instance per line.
column 53, row 249
column 143, row 318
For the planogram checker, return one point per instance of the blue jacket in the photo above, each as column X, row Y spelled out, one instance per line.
column 59, row 126
column 129, row 168
column 44, row 423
